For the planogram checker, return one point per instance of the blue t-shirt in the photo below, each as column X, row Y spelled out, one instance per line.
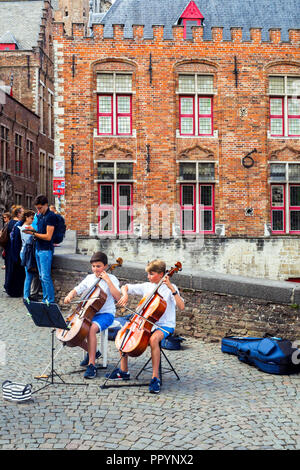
column 49, row 218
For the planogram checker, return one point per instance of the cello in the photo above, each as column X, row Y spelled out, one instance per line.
column 80, row 320
column 133, row 338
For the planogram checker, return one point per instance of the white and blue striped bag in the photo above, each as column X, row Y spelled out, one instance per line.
column 16, row 392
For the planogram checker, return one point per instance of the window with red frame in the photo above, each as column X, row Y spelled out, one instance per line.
column 115, row 197
column 284, row 94
column 114, row 109
column 195, row 104
column 285, row 197
column 197, row 202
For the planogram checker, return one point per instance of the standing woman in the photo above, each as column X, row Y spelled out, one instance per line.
column 14, row 272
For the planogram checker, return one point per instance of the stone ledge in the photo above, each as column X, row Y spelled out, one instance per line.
column 282, row 292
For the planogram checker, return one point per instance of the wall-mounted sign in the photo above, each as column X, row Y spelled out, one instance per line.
column 59, row 169
column 59, row 186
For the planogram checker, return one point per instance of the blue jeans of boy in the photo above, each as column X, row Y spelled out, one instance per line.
column 44, row 262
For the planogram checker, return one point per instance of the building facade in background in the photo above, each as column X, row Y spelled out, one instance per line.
column 27, row 77
column 179, row 126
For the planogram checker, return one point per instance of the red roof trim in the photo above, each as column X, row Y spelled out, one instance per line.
column 192, row 12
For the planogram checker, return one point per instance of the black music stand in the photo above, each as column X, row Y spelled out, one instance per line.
column 48, row 315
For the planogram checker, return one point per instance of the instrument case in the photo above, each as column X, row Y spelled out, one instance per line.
column 269, row 354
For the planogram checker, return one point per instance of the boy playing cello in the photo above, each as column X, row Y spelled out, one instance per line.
column 163, row 327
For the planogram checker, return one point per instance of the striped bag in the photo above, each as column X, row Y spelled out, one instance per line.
column 16, row 392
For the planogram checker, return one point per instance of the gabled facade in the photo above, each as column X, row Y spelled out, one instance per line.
column 184, row 145
column 26, row 68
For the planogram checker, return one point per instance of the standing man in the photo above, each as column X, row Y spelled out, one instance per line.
column 46, row 223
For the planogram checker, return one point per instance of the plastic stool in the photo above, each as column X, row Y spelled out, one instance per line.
column 104, row 342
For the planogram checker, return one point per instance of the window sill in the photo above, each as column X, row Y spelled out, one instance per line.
column 179, row 136
column 282, row 137
column 115, row 136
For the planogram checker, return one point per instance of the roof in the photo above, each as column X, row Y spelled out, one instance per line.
column 8, row 38
column 21, row 19
column 264, row 14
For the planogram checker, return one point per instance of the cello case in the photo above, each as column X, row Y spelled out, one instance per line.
column 269, row 354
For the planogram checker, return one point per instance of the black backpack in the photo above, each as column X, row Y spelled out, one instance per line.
column 60, row 229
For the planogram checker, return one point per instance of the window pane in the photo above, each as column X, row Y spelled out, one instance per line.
column 105, row 104
column 124, row 171
column 204, row 106
column 106, row 196
column 205, row 84
column 124, row 125
column 276, row 107
column 124, row 221
column 295, row 220
column 187, row 105
column 105, row 171
column 295, row 196
column 206, row 195
column 294, row 172
column 205, row 126
column 187, row 171
column 277, row 196
column 186, row 83
column 188, row 220
column 276, row 126
column 206, row 171
column 277, row 221
column 294, row 107
column 206, row 221
column 276, row 85
column 187, row 195
column 123, row 83
column 187, row 125
column 105, row 82
column 105, row 125
column 124, row 104
column 124, row 195
column 277, row 172
column 294, row 126
column 106, row 219
column 293, row 86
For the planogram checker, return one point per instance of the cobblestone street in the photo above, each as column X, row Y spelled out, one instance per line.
column 218, row 403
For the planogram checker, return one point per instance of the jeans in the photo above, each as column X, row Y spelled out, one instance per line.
column 27, row 284
column 44, row 262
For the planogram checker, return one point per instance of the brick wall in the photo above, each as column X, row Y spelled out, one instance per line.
column 241, row 122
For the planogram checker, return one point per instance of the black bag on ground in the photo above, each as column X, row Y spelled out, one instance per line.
column 172, row 342
column 269, row 354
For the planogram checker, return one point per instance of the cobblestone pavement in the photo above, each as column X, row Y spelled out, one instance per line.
column 218, row 403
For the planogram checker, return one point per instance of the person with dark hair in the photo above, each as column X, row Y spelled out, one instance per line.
column 27, row 239
column 44, row 246
column 105, row 317
column 14, row 272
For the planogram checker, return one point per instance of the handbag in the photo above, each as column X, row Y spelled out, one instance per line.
column 4, row 236
column 14, row 391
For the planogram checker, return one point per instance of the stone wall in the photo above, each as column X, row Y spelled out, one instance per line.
column 210, row 315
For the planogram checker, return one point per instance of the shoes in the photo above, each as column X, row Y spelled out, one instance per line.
column 118, row 374
column 91, row 372
column 154, row 386
column 85, row 361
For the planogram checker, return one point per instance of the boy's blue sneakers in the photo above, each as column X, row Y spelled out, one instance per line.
column 118, row 374
column 154, row 386
column 86, row 360
column 91, row 372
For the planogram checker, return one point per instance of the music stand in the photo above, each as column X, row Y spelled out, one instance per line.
column 49, row 316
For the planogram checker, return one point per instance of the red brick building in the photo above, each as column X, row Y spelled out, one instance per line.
column 26, row 67
column 179, row 126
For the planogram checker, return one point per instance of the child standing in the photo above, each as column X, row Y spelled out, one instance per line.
column 105, row 317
